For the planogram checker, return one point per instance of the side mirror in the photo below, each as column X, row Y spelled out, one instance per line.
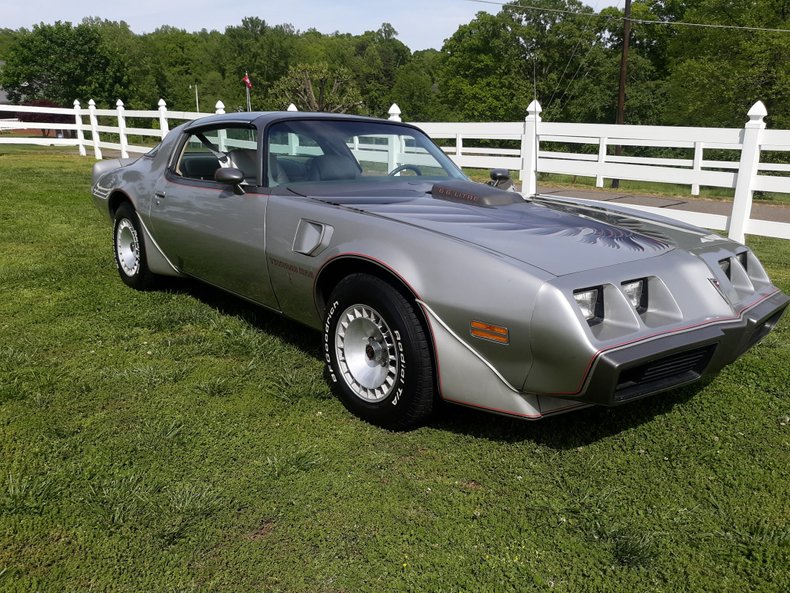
column 501, row 178
column 498, row 175
column 231, row 176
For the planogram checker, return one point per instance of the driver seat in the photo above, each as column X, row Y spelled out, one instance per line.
column 333, row 167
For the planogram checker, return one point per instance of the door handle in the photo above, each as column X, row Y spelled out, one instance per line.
column 160, row 194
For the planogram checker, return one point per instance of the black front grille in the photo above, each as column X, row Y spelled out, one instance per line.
column 664, row 373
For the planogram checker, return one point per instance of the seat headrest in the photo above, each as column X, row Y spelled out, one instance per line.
column 333, row 167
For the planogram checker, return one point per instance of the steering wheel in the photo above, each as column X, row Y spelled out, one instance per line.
column 400, row 168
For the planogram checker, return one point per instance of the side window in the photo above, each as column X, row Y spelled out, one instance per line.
column 205, row 151
column 290, row 155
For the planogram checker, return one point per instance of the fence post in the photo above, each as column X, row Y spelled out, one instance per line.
column 602, row 144
column 122, row 129
column 459, row 144
column 94, row 129
column 393, row 152
column 222, row 135
column 529, row 150
column 747, row 171
column 78, row 121
column 699, row 147
column 164, row 128
column 292, row 107
column 394, row 148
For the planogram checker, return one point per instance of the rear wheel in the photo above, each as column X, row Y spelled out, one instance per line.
column 377, row 353
column 129, row 249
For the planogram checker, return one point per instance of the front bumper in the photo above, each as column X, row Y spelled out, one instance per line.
column 625, row 373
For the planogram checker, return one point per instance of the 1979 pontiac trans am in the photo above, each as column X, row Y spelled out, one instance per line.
column 424, row 283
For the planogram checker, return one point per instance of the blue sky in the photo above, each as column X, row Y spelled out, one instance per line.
column 420, row 23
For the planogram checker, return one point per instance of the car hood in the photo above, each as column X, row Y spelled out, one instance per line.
column 559, row 236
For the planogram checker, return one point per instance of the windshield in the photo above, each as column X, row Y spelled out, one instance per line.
column 304, row 151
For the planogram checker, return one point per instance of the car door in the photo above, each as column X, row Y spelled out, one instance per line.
column 208, row 229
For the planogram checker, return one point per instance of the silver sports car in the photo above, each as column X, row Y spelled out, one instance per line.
column 424, row 283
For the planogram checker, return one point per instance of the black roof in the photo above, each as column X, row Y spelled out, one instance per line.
column 261, row 118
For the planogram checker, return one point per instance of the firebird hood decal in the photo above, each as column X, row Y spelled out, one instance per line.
column 558, row 239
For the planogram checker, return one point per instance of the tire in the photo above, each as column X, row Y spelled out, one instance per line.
column 377, row 354
column 129, row 249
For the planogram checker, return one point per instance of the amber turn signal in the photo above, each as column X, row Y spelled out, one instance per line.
column 486, row 331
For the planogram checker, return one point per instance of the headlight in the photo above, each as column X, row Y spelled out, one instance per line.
column 590, row 302
column 636, row 292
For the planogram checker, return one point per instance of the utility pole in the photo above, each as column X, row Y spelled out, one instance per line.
column 197, row 99
column 623, row 75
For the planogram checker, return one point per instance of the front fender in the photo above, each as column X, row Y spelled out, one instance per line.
column 458, row 281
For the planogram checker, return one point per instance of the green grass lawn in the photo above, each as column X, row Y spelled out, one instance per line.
column 182, row 440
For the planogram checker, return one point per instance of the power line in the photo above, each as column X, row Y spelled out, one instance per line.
column 568, row 63
column 538, row 8
column 639, row 21
column 709, row 26
column 581, row 63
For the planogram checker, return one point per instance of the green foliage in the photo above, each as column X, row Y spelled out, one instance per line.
column 490, row 69
column 497, row 64
column 716, row 75
column 61, row 63
column 317, row 87
column 7, row 38
column 416, row 87
column 379, row 55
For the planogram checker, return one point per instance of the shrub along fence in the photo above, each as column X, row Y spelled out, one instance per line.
column 591, row 150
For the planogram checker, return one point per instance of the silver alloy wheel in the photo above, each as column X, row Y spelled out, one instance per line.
column 127, row 247
column 366, row 355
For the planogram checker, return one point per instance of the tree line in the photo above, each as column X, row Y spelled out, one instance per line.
column 558, row 51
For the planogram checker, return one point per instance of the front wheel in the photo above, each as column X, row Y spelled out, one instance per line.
column 129, row 249
column 377, row 353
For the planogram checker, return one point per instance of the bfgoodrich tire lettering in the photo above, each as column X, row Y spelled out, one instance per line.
column 377, row 353
column 129, row 249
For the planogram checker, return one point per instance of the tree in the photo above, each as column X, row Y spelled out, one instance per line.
column 378, row 55
column 62, row 63
column 7, row 37
column 416, row 88
column 317, row 87
column 497, row 64
column 264, row 51
column 716, row 75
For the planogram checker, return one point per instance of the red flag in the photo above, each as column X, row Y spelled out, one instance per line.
column 246, row 80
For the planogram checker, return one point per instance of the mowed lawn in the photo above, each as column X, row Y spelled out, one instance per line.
column 182, row 440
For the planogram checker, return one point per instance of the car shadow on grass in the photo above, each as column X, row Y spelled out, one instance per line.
column 561, row 432
column 564, row 431
column 305, row 339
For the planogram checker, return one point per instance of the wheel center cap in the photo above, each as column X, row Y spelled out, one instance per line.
column 374, row 351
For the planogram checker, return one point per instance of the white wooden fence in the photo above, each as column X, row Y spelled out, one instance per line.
column 95, row 127
column 744, row 177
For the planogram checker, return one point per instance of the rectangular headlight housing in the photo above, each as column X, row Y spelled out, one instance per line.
column 636, row 293
column 725, row 264
column 590, row 303
column 743, row 259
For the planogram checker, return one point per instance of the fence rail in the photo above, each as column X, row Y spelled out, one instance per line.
column 744, row 177
column 575, row 149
